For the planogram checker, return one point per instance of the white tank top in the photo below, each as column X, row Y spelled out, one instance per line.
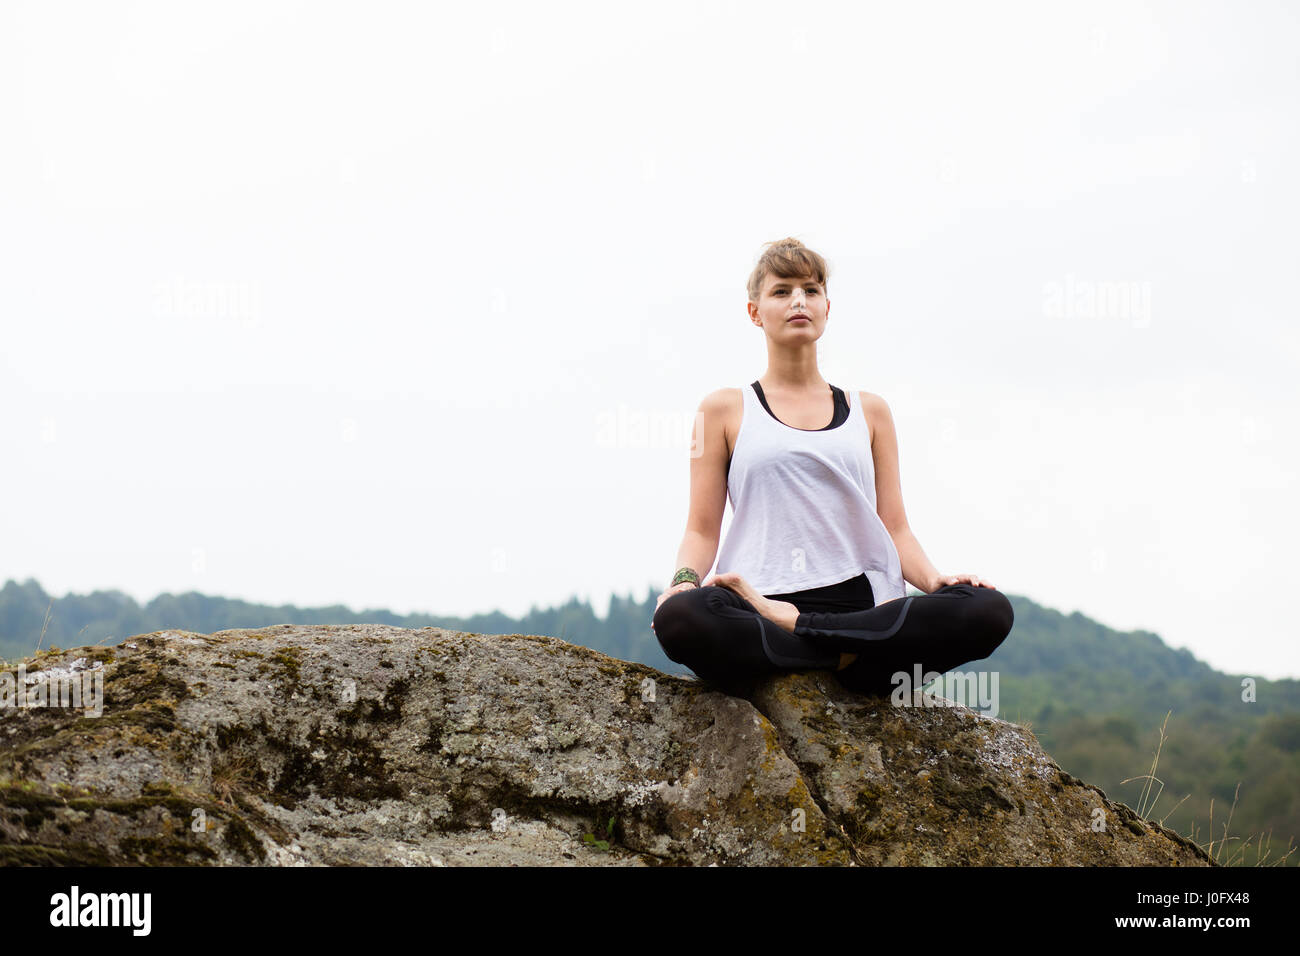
column 804, row 506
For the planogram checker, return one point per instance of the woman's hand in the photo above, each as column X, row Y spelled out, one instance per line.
column 945, row 579
column 684, row 586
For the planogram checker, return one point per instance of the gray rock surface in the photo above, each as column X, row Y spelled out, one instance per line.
column 309, row 745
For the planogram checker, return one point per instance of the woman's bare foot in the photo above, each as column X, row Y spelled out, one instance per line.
column 781, row 613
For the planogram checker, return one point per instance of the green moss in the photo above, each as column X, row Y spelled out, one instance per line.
column 285, row 664
column 958, row 785
column 139, row 678
column 132, row 805
column 34, row 854
column 241, row 839
column 165, row 851
column 157, row 717
column 821, row 723
column 353, row 766
column 387, row 711
column 37, row 807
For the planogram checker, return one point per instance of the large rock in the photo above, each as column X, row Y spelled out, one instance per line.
column 378, row 745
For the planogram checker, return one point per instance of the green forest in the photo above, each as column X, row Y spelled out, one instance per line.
column 1102, row 702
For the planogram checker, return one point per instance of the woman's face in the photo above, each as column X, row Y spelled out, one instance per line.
column 791, row 308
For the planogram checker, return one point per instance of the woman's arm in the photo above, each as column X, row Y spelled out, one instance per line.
column 709, row 460
column 917, row 568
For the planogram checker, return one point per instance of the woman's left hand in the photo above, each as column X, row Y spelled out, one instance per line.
column 945, row 579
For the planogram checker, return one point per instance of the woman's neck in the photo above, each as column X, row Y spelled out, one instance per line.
column 808, row 383
column 794, row 372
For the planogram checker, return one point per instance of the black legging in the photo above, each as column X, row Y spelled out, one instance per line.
column 722, row 638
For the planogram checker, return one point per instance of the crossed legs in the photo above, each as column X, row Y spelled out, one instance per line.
column 723, row 638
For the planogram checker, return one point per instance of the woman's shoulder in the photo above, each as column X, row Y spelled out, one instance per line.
column 722, row 400
column 871, row 402
column 874, row 409
column 725, row 406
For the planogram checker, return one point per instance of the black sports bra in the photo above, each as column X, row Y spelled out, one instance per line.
column 841, row 410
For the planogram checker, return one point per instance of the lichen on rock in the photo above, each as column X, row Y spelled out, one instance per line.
column 369, row 744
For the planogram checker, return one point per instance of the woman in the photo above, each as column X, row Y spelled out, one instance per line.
column 811, row 574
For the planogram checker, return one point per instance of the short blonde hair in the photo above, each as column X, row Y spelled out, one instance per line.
column 786, row 259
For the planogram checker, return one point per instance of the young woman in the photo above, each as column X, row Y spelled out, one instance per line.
column 811, row 574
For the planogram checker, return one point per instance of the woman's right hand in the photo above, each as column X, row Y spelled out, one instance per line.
column 684, row 586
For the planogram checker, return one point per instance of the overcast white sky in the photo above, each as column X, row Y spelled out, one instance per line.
column 410, row 305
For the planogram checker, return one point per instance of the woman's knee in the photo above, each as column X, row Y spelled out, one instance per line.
column 676, row 607
column 677, row 619
column 997, row 617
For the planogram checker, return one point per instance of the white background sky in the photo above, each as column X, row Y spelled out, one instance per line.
column 369, row 303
